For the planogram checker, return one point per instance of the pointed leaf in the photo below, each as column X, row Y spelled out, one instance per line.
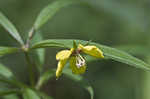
column 30, row 94
column 40, row 53
column 7, row 50
column 8, row 92
column 7, row 76
column 49, row 11
column 45, row 77
column 109, row 52
column 5, row 72
column 44, row 96
column 12, row 96
column 10, row 28
column 135, row 49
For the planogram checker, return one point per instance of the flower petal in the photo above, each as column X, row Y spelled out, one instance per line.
column 60, row 67
column 91, row 50
column 62, row 55
column 74, row 68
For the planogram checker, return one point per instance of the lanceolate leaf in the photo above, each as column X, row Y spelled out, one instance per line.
column 11, row 96
column 8, row 92
column 4, row 71
column 40, row 53
column 30, row 94
column 7, row 76
column 10, row 28
column 7, row 50
column 90, row 90
column 49, row 11
column 109, row 52
column 44, row 96
column 45, row 77
column 135, row 49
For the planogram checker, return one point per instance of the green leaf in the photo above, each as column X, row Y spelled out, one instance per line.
column 135, row 49
column 41, row 56
column 109, row 52
column 12, row 81
column 49, row 11
column 45, row 77
column 4, row 71
column 44, row 96
column 90, row 90
column 40, row 53
column 8, row 92
column 11, row 96
column 7, row 50
column 10, row 28
column 30, row 94
column 83, row 83
column 7, row 76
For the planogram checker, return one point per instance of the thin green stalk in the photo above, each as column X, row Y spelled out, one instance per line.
column 25, row 48
column 30, row 69
column 13, row 82
column 30, row 36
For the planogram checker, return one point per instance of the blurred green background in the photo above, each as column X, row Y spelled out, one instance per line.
column 122, row 24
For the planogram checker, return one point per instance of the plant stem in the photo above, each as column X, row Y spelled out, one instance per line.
column 25, row 48
column 30, row 36
column 30, row 69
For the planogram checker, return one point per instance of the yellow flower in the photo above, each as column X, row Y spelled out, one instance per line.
column 77, row 62
column 91, row 50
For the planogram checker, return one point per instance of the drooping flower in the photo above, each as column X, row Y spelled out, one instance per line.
column 77, row 62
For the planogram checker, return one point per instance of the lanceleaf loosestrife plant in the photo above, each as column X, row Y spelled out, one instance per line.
column 73, row 55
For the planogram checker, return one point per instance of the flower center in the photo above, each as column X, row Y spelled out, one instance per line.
column 80, row 61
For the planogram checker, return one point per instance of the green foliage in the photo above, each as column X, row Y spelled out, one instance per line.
column 35, row 43
column 12, row 96
column 44, row 96
column 9, row 91
column 48, row 12
column 4, row 71
column 10, row 28
column 7, row 50
column 109, row 52
column 45, row 77
column 40, row 53
column 30, row 94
